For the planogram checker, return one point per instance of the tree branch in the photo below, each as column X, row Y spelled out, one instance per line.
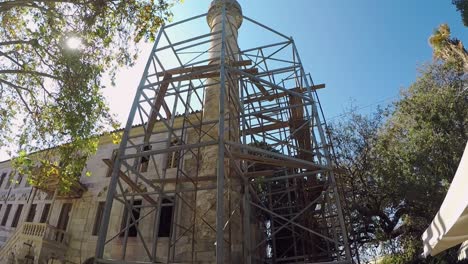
column 10, row 58
column 18, row 88
column 29, row 72
column 5, row 6
column 14, row 42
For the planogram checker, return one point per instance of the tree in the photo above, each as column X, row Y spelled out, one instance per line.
column 54, row 55
column 450, row 50
column 399, row 163
column 462, row 6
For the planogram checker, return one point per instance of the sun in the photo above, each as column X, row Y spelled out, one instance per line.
column 74, row 43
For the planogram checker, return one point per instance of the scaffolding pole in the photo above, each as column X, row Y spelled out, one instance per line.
column 224, row 156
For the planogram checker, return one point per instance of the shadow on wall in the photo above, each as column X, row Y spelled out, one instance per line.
column 89, row 261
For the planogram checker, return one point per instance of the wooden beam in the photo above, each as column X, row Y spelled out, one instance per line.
column 300, row 131
column 256, row 174
column 130, row 182
column 259, row 86
column 260, row 129
column 271, row 97
column 173, row 180
column 267, row 118
column 158, row 102
column 207, row 75
column 273, row 162
column 167, row 110
column 182, row 70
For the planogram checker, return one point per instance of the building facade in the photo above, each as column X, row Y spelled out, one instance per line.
column 65, row 229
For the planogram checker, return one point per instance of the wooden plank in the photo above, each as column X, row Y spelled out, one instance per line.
column 166, row 109
column 299, row 131
column 263, row 173
column 297, row 113
column 261, row 129
column 130, row 182
column 159, row 100
column 173, row 180
column 182, row 70
column 259, row 86
column 267, row 118
column 271, row 97
column 273, row 162
column 208, row 75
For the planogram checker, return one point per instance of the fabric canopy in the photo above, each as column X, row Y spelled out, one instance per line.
column 463, row 252
column 450, row 226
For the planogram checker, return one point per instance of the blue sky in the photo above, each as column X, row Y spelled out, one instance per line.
column 365, row 51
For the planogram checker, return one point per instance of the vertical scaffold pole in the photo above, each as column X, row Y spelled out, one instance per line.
column 101, row 242
column 220, row 165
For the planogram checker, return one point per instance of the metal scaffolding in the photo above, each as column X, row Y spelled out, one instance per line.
column 233, row 140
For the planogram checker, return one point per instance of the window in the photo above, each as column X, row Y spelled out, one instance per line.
column 9, row 180
column 27, row 182
column 31, row 213
column 18, row 181
column 64, row 216
column 165, row 218
column 113, row 159
column 132, row 231
column 17, row 215
column 173, row 157
column 98, row 219
column 2, row 178
column 6, row 214
column 45, row 213
column 145, row 160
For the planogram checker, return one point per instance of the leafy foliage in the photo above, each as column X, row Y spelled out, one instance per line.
column 399, row 163
column 449, row 49
column 50, row 92
column 462, row 6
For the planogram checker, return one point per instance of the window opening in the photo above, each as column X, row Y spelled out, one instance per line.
column 45, row 213
column 173, row 157
column 144, row 162
column 165, row 218
column 98, row 218
column 7, row 213
column 132, row 231
column 31, row 213
column 17, row 215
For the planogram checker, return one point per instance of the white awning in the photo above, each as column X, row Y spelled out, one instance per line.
column 450, row 226
column 463, row 251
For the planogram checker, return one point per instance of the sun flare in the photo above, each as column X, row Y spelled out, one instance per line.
column 74, row 43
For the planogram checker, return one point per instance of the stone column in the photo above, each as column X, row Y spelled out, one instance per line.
column 204, row 235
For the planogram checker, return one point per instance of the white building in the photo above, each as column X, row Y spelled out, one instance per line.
column 41, row 229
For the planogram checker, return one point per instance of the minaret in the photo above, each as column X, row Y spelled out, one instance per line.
column 205, row 244
column 231, row 53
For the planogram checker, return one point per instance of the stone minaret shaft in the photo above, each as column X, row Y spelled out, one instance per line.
column 231, row 53
column 205, row 235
